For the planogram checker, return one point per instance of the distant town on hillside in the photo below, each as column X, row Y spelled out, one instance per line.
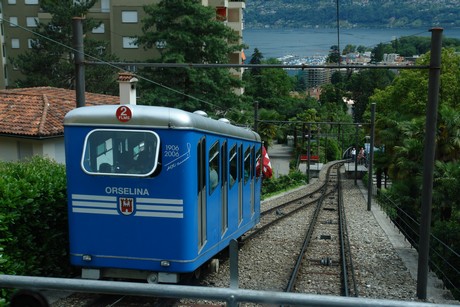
column 352, row 13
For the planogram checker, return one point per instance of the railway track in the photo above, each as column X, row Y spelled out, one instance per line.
column 277, row 213
column 324, row 264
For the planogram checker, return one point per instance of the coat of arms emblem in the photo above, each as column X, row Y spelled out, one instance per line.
column 126, row 205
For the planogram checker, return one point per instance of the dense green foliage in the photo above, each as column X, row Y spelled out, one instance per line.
column 50, row 60
column 274, row 186
column 362, row 13
column 362, row 85
column 408, row 46
column 188, row 33
column 33, row 215
column 285, row 111
column 400, row 127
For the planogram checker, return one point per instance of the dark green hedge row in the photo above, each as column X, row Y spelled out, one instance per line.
column 283, row 183
column 33, row 219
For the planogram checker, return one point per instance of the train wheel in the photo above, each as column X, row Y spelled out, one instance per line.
column 214, row 265
column 28, row 298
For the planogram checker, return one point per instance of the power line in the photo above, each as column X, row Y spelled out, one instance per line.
column 100, row 61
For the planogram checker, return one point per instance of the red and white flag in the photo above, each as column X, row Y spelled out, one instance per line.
column 267, row 171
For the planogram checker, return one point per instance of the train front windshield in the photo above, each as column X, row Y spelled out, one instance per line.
column 120, row 152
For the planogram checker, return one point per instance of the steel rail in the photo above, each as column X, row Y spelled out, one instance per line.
column 343, row 257
column 347, row 266
column 308, row 234
column 252, row 234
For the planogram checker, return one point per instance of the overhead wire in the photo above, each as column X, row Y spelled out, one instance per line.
column 117, row 65
column 100, row 61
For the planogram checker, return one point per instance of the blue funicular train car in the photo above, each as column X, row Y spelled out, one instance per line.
column 154, row 192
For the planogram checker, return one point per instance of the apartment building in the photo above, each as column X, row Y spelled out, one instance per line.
column 315, row 77
column 120, row 21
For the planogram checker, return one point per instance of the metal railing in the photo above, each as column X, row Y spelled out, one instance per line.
column 232, row 296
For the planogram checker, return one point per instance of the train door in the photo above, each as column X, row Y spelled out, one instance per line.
column 258, row 181
column 201, row 154
column 240, row 184
column 253, row 154
column 224, row 202
column 248, row 183
column 214, row 206
column 233, row 195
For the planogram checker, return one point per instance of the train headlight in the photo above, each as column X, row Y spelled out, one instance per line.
column 165, row 263
column 87, row 258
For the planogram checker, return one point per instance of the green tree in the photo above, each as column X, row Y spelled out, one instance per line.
column 256, row 58
column 362, row 85
column 379, row 51
column 332, row 95
column 267, row 130
column 189, row 33
column 334, row 55
column 361, row 49
column 349, row 49
column 270, row 87
column 400, row 127
column 50, row 60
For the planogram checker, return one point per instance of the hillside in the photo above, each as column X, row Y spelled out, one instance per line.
column 352, row 13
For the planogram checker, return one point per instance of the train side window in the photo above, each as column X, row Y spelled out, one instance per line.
column 213, row 166
column 247, row 165
column 233, row 166
column 259, row 163
column 121, row 152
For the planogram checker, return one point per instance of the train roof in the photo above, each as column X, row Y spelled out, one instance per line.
column 139, row 116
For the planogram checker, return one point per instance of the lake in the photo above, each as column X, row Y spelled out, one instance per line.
column 274, row 43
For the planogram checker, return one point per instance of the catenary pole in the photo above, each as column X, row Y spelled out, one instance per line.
column 79, row 59
column 356, row 154
column 428, row 161
column 371, row 159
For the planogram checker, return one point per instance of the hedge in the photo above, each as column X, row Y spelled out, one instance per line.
column 33, row 219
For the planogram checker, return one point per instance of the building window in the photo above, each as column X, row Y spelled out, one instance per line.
column 31, row 1
column 31, row 22
column 13, row 21
column 105, row 6
column 221, row 13
column 11, row 1
column 129, row 16
column 32, row 42
column 129, row 42
column 99, row 30
column 131, row 68
column 15, row 43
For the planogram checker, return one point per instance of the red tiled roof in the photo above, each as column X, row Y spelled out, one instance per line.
column 39, row 111
column 125, row 77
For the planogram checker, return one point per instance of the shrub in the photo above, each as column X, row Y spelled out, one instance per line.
column 276, row 185
column 33, row 218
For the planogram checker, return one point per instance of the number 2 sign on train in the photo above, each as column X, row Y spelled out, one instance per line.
column 154, row 192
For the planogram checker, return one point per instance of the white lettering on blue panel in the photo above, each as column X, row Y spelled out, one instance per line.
column 127, row 191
